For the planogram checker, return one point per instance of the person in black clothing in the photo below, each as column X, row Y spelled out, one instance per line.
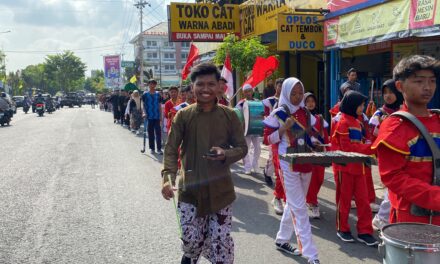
column 114, row 100
column 269, row 90
column 122, row 105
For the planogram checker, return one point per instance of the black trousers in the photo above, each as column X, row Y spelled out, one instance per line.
column 154, row 132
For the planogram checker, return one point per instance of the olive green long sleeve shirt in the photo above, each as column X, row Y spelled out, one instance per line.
column 207, row 184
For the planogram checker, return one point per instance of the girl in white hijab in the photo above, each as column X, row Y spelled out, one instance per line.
column 291, row 114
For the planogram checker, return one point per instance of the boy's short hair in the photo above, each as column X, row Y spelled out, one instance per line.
column 351, row 70
column 204, row 69
column 408, row 66
column 173, row 88
column 279, row 81
column 185, row 89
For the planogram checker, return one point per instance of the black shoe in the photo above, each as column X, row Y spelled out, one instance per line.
column 368, row 240
column 345, row 236
column 159, row 152
column 185, row 260
column 268, row 179
column 286, row 247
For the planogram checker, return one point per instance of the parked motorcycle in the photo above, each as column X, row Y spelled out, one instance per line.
column 40, row 109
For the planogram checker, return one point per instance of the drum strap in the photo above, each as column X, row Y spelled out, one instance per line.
column 416, row 210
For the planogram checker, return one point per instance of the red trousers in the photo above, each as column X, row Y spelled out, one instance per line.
column 279, row 188
column 398, row 216
column 347, row 186
column 370, row 185
column 315, row 185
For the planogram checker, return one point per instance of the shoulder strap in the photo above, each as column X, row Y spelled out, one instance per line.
column 286, row 109
column 431, row 143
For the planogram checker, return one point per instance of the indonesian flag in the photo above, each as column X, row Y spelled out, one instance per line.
column 227, row 74
column 263, row 68
column 192, row 56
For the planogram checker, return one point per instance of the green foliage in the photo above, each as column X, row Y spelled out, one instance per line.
column 95, row 84
column 66, row 70
column 243, row 52
column 13, row 80
column 34, row 76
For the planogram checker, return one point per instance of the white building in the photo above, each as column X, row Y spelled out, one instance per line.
column 166, row 59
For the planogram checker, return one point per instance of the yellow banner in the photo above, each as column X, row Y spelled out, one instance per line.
column 258, row 17
column 379, row 22
column 202, row 22
column 300, row 32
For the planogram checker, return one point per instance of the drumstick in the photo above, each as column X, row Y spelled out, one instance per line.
column 177, row 212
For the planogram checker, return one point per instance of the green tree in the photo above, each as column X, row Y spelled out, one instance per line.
column 2, row 67
column 66, row 71
column 13, row 80
column 96, row 83
column 34, row 76
column 243, row 52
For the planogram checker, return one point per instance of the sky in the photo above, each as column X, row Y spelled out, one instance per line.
column 89, row 28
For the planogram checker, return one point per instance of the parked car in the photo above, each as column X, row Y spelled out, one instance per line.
column 18, row 100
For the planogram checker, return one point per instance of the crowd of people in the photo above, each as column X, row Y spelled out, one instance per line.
column 205, row 136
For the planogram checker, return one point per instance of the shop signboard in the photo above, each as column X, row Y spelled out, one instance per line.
column 300, row 32
column 202, row 22
column 392, row 20
column 379, row 23
column 125, row 64
column 341, row 5
column 425, row 17
column 112, row 71
column 258, row 17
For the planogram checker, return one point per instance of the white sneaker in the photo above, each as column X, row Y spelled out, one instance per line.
column 378, row 223
column 278, row 206
column 374, row 207
column 248, row 172
column 314, row 212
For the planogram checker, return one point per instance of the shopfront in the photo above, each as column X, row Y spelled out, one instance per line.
column 372, row 36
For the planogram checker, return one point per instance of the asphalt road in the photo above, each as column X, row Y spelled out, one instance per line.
column 74, row 188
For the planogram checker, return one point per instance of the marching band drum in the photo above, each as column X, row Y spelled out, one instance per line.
column 253, row 113
column 410, row 243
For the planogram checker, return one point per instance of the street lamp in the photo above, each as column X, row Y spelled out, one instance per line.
column 7, row 31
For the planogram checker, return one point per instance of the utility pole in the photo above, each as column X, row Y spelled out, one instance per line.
column 141, row 5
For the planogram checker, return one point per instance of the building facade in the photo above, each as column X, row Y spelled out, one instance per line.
column 165, row 59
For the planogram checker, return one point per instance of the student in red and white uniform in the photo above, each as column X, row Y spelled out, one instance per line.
column 351, row 179
column 321, row 127
column 393, row 100
column 280, row 128
column 186, row 99
column 405, row 160
column 169, row 105
column 250, row 162
column 272, row 164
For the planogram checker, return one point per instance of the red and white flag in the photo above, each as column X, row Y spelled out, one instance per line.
column 227, row 74
column 192, row 56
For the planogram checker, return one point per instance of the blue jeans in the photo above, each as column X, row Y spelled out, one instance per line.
column 154, row 132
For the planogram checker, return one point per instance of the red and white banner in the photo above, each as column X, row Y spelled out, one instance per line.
column 192, row 56
column 227, row 74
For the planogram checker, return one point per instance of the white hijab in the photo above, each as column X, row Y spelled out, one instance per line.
column 286, row 89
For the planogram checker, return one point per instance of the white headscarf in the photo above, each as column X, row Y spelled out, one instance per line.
column 286, row 89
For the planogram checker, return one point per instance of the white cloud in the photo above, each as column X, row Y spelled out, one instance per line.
column 91, row 28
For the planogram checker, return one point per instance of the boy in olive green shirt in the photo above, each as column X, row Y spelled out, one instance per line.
column 210, row 138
